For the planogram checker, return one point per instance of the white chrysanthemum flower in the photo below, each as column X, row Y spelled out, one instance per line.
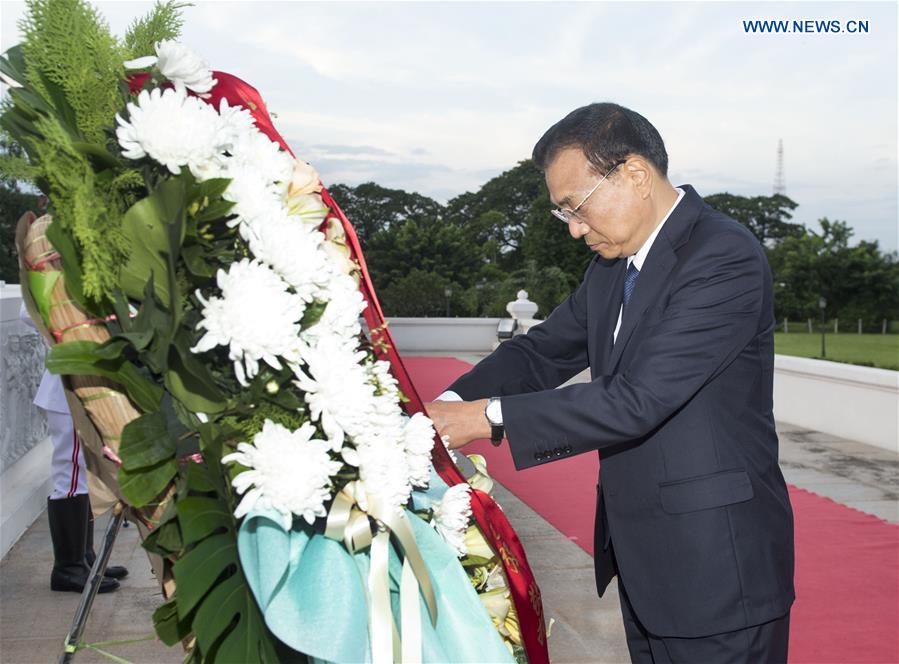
column 184, row 68
column 256, row 317
column 256, row 152
column 341, row 315
column 418, row 440
column 382, row 471
column 452, row 515
column 446, row 443
column 384, row 379
column 290, row 471
column 172, row 129
column 255, row 199
column 237, row 120
column 293, row 252
column 338, row 391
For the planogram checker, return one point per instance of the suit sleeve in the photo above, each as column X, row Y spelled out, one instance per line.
column 548, row 355
column 710, row 317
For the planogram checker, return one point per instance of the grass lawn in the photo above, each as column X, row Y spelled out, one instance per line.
column 879, row 350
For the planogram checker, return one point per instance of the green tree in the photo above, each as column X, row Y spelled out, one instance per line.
column 856, row 281
column 430, row 245
column 16, row 198
column 768, row 217
column 497, row 210
column 372, row 208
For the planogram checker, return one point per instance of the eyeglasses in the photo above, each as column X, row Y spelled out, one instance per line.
column 565, row 215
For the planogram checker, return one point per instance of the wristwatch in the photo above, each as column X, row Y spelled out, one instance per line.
column 497, row 431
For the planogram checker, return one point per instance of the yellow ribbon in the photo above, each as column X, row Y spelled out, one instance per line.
column 351, row 525
column 380, row 617
column 347, row 523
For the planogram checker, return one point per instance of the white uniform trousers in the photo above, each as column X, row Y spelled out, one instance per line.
column 67, row 469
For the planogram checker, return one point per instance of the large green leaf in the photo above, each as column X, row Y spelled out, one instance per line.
column 81, row 358
column 145, row 226
column 146, row 441
column 165, row 538
column 169, row 627
column 201, row 516
column 200, row 568
column 248, row 640
column 12, row 63
column 140, row 487
column 63, row 110
column 71, row 263
column 190, row 381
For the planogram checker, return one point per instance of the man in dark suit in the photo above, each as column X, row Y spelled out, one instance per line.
column 675, row 319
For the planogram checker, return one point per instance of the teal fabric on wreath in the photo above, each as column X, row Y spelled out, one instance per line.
column 312, row 593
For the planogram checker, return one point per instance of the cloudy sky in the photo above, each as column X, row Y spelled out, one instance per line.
column 438, row 97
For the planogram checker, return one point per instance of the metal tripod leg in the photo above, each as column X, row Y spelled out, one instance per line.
column 93, row 584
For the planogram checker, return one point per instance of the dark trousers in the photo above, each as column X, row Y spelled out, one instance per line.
column 760, row 644
column 765, row 643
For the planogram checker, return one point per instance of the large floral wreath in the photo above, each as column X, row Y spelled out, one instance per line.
column 204, row 296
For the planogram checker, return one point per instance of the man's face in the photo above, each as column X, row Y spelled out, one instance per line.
column 610, row 219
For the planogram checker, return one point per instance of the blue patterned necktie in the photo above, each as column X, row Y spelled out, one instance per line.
column 630, row 281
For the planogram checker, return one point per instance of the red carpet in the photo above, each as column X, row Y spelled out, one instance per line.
column 847, row 562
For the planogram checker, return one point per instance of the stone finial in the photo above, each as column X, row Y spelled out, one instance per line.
column 522, row 307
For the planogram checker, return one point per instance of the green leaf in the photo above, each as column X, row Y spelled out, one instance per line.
column 194, row 259
column 143, row 485
column 201, row 516
column 248, row 640
column 165, row 539
column 146, row 441
column 71, row 263
column 29, row 104
column 169, row 628
column 190, row 381
column 80, row 358
column 198, row 570
column 98, row 155
column 213, row 211
column 112, row 349
column 63, row 110
column 137, row 340
column 198, row 478
column 211, row 189
column 313, row 314
column 145, row 226
column 12, row 63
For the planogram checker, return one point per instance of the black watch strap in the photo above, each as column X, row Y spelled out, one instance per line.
column 497, row 431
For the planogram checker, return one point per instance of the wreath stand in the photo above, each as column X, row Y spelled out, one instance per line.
column 93, row 584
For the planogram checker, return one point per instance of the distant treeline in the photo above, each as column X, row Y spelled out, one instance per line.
column 484, row 246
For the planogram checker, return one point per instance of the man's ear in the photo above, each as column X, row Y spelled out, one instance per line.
column 640, row 174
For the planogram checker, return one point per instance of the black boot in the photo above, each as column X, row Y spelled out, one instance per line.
column 68, row 531
column 112, row 571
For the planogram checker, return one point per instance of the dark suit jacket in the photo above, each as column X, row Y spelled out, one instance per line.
column 680, row 411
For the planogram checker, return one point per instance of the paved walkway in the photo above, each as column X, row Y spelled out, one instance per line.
column 34, row 621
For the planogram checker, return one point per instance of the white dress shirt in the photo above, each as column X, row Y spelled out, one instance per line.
column 495, row 410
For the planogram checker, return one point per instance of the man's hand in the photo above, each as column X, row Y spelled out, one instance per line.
column 461, row 421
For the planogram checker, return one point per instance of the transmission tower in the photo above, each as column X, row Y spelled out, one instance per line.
column 780, row 185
